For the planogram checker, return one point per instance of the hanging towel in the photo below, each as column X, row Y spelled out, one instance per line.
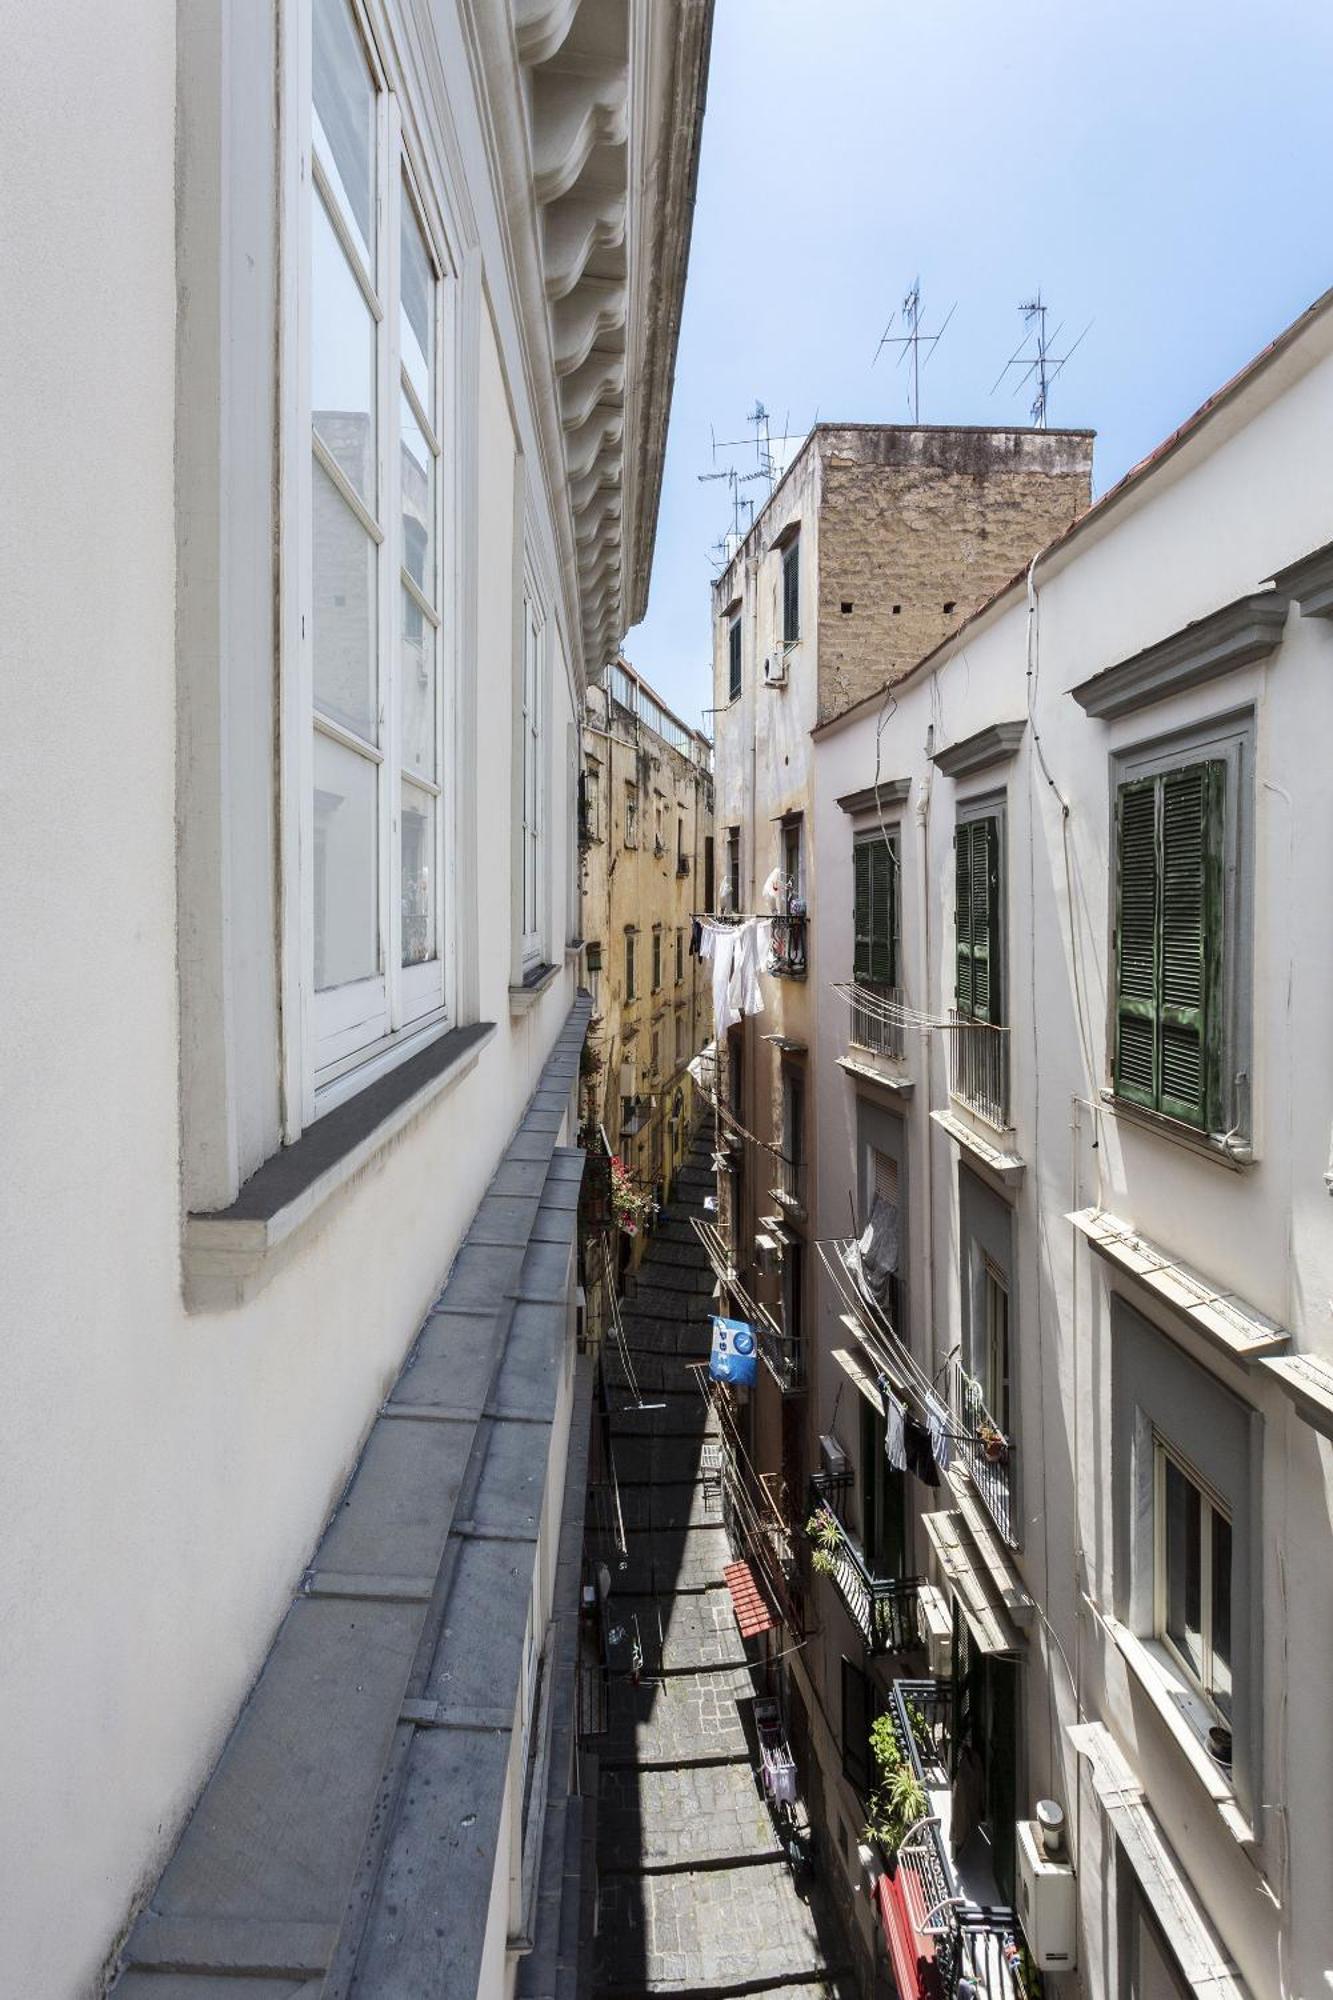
column 895, row 1448
column 920, row 1456
column 751, row 949
column 722, row 949
column 937, row 1418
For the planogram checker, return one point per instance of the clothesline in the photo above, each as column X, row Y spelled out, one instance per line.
column 897, row 1014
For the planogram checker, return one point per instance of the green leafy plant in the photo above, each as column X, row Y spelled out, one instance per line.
column 899, row 1800
column 825, row 1532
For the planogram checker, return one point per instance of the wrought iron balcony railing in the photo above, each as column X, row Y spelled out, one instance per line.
column 787, row 1179
column 780, row 1352
column 786, row 956
column 886, row 1610
column 979, row 1067
column 972, row 1942
column 983, row 1449
column 876, row 1017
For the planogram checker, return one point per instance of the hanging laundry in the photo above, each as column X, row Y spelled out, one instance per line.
column 919, row 1452
column 938, row 1421
column 746, row 994
column 873, row 1258
column 696, row 938
column 895, row 1418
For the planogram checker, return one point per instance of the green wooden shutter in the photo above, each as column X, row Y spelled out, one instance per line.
column 881, row 912
column 962, row 870
column 1169, row 941
column 1136, row 1076
column 1191, row 939
column 985, row 920
column 862, row 920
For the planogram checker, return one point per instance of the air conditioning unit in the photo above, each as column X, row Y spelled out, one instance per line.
column 1046, row 1892
column 833, row 1460
column 775, row 670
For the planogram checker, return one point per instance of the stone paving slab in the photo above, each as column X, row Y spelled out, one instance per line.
column 647, row 1458
column 670, row 1506
column 663, row 1274
column 689, row 1719
column 649, row 1333
column 660, row 1562
column 712, row 1929
column 654, row 1372
column 698, row 1630
column 683, row 1412
column 663, row 1819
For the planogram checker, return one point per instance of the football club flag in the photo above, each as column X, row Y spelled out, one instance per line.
column 733, row 1355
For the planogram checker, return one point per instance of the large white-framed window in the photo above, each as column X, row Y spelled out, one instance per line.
column 1192, row 1575
column 367, row 697
column 532, row 705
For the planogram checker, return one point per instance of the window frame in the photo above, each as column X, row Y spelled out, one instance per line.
column 531, row 721
column 333, row 1047
column 631, row 812
column 656, row 986
column 1211, row 1506
column 735, row 668
column 631, row 965
column 1230, row 739
column 865, row 843
column 970, row 814
column 791, row 592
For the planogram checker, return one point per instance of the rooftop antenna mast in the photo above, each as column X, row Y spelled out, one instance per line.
column 740, row 502
column 1041, row 365
column 913, row 340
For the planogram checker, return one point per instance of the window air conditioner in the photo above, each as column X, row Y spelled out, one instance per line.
column 833, row 1459
column 775, row 670
column 1046, row 1896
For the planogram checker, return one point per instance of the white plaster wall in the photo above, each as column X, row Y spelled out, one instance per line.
column 163, row 1476
column 1245, row 497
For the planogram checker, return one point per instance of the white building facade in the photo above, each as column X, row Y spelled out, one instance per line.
column 1078, row 1087
column 364, row 316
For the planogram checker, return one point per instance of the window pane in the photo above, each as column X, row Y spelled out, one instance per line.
column 1184, row 1566
column 342, row 360
column 418, row 310
column 1221, row 1635
column 346, row 865
column 345, row 652
column 344, row 120
column 419, row 886
column 418, row 505
column 417, row 691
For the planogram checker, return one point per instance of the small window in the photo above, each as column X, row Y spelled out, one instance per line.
column 590, row 805
column 680, row 1039
column 1193, row 1578
column 631, row 814
column 655, row 1059
column 631, row 968
column 791, row 856
column 791, row 592
column 657, row 957
column 977, row 985
column 734, row 659
column 993, row 1359
column 532, row 726
column 875, row 913
column 734, row 866
column 1170, row 942
column 680, row 956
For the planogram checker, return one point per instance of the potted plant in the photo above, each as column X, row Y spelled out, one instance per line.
column 994, row 1444
column 825, row 1532
column 898, row 1801
column 629, row 1204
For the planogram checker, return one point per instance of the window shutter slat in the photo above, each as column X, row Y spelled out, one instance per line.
column 1136, row 942
column 881, row 893
column 861, row 922
column 1190, row 933
column 962, row 869
column 981, row 921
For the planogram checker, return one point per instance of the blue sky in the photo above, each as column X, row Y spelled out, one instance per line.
column 1163, row 168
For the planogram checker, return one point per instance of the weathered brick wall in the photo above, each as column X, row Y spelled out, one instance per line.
column 918, row 527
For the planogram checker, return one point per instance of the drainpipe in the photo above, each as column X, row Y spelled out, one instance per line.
column 923, row 822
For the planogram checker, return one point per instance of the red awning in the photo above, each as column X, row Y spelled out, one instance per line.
column 751, row 1606
column 901, row 1909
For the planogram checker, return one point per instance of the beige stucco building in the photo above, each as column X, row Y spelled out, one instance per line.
column 646, row 840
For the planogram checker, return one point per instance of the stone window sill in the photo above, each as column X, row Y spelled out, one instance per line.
column 1176, row 1706
column 535, row 983
column 1007, row 1167
column 229, row 1256
column 1236, row 1156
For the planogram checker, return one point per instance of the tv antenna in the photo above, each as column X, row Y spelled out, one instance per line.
column 1041, row 364
column 913, row 341
column 764, row 438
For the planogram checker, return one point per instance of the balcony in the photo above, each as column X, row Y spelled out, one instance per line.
column 780, row 1352
column 885, row 1610
column 786, row 956
column 983, row 1449
column 876, row 1018
column 979, row 1067
column 947, row 1931
column 788, row 1178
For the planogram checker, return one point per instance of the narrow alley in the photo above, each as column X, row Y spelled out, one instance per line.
column 696, row 1894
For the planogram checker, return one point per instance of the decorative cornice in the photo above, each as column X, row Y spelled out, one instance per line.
column 1309, row 582
column 889, row 792
column 1231, row 637
column 992, row 745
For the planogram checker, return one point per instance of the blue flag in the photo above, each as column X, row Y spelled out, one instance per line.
column 733, row 1355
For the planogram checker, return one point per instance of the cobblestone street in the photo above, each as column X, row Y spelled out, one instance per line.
column 696, row 1895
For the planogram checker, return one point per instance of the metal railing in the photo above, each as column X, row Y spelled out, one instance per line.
column 979, row 1066
column 788, row 1177
column 786, row 957
column 874, row 1023
column 780, row 1352
column 983, row 1448
column 972, row 1941
column 886, row 1610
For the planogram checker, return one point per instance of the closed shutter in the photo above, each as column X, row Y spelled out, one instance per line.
column 862, row 919
column 1169, row 941
column 881, row 909
column 791, row 594
column 734, row 659
column 856, row 1720
column 977, row 919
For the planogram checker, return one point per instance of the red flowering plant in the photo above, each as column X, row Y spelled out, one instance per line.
column 629, row 1204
